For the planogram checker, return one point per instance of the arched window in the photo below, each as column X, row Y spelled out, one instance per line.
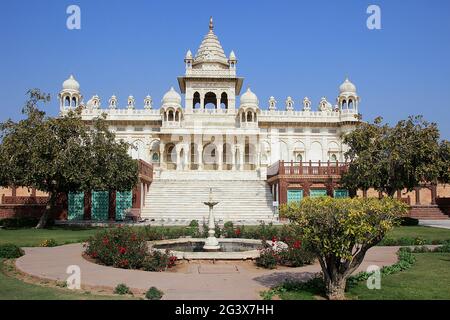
column 299, row 158
column 67, row 102
column 170, row 118
column 243, row 116
column 210, row 100
column 344, row 104
column 249, row 116
column 155, row 157
column 177, row 117
column 333, row 158
column 74, row 102
column 196, row 101
column 224, row 100
column 254, row 117
column 350, row 104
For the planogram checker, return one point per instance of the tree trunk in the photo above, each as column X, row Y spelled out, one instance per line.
column 48, row 210
column 335, row 288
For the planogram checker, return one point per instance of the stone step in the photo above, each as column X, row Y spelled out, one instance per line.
column 239, row 200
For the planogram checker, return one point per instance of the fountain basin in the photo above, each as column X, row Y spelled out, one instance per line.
column 192, row 248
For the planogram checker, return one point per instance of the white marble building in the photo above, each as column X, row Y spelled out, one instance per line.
column 217, row 133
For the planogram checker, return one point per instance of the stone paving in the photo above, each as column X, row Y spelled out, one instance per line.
column 192, row 281
column 445, row 224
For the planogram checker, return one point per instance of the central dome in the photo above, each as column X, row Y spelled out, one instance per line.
column 210, row 49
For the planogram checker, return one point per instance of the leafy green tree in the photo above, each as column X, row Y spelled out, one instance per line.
column 389, row 159
column 62, row 154
column 340, row 231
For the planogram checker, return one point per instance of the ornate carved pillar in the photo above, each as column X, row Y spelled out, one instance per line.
column 241, row 157
column 417, row 190
column 283, row 187
column 162, row 160
column 219, row 154
column 200, row 155
column 306, row 188
column 433, row 194
column 233, row 158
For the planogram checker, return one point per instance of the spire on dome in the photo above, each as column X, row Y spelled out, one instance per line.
column 211, row 24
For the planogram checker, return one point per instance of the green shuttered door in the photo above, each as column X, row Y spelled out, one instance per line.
column 294, row 195
column 76, row 206
column 317, row 193
column 100, row 205
column 123, row 202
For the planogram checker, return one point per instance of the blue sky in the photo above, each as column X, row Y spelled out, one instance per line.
column 296, row 48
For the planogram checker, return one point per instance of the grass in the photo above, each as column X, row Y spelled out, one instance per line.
column 33, row 237
column 15, row 289
column 427, row 279
column 427, row 233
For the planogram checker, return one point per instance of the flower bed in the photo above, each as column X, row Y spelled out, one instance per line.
column 122, row 247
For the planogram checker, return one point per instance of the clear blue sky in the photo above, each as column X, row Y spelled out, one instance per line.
column 296, row 48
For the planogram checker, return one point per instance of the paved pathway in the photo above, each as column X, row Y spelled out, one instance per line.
column 445, row 224
column 220, row 281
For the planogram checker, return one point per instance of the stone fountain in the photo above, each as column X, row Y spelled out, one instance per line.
column 211, row 243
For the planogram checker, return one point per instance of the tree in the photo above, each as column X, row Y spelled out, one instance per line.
column 389, row 159
column 62, row 154
column 340, row 231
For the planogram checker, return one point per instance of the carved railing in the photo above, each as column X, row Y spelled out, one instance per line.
column 307, row 168
column 23, row 200
column 145, row 171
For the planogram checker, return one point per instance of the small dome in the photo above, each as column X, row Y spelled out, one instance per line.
column 71, row 84
column 347, row 86
column 171, row 97
column 248, row 97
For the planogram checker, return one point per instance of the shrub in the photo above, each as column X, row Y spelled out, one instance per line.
column 159, row 261
column 48, row 243
column 154, row 294
column 10, row 251
column 119, row 247
column 25, row 222
column 267, row 258
column 295, row 255
column 228, row 230
column 408, row 221
column 194, row 224
column 152, row 233
column 122, row 289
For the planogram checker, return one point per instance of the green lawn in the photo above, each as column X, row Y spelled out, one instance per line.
column 33, row 237
column 428, row 278
column 14, row 289
column 427, row 233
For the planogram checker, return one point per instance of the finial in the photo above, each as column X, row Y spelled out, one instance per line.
column 211, row 25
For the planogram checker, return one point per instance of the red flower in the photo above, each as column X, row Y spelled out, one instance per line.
column 274, row 239
column 94, row 254
column 105, row 240
column 297, row 244
column 122, row 250
column 133, row 237
column 237, row 232
column 123, row 263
